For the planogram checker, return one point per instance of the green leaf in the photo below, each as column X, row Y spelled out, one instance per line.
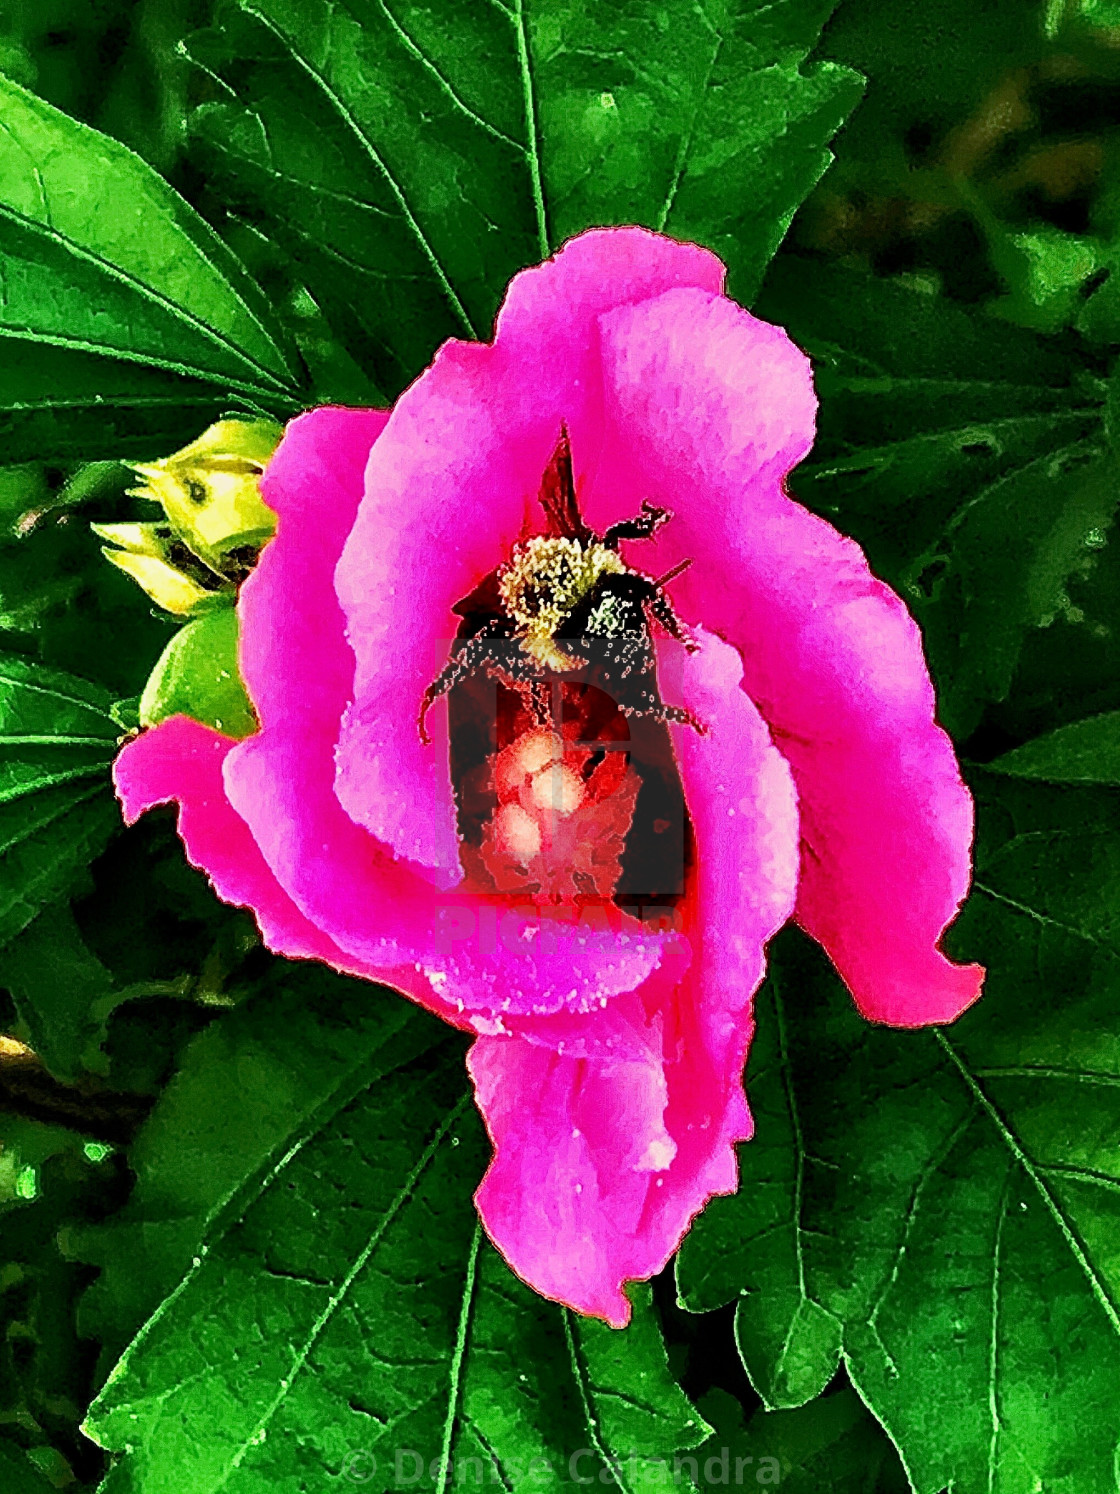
column 956, row 1206
column 57, row 405
column 57, row 740
column 20, row 1476
column 1082, row 752
column 1002, row 568
column 412, row 160
column 64, row 996
column 759, row 141
column 920, row 399
column 1105, row 13
column 1099, row 319
column 628, row 1404
column 1045, row 270
column 245, row 1088
column 197, row 676
column 101, row 256
column 395, row 1336
column 966, row 457
column 832, row 1443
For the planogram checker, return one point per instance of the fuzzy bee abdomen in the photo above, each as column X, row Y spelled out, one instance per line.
column 610, row 631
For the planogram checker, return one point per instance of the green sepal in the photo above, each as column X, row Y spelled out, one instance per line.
column 197, row 676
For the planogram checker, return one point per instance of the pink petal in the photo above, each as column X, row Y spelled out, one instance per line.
column 299, row 673
column 603, row 1157
column 299, row 670
column 181, row 761
column 710, row 409
column 450, row 487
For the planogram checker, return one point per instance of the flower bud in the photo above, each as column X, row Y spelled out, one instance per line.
column 173, row 577
column 216, row 522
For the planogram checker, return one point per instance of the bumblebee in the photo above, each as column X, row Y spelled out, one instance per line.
column 565, row 606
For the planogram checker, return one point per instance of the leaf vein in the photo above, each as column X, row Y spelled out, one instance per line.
column 591, row 1420
column 685, row 147
column 146, row 293
column 1044, row 918
column 993, row 1342
column 374, row 155
column 410, row 45
column 528, row 94
column 458, row 1357
column 1075, row 1245
column 342, row 1292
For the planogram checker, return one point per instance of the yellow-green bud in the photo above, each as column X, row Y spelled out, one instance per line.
column 216, row 521
column 173, row 577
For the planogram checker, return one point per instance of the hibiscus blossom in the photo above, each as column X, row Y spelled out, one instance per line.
column 505, row 873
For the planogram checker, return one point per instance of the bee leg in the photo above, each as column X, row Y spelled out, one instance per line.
column 682, row 718
column 468, row 660
column 663, row 712
column 641, row 528
column 662, row 609
column 540, row 701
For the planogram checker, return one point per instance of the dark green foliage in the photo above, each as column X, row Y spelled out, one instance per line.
column 948, row 1198
column 832, row 1443
column 410, row 163
column 57, row 740
column 20, row 1474
column 103, row 258
column 67, row 406
column 328, row 1199
column 49, row 1182
column 59, row 600
column 277, row 1280
column 63, row 994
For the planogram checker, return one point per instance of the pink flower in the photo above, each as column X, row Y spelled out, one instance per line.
column 609, row 1049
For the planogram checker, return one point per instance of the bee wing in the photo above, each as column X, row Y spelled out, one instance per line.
column 558, row 495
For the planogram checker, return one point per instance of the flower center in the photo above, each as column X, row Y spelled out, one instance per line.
column 566, row 785
column 587, row 810
column 564, row 811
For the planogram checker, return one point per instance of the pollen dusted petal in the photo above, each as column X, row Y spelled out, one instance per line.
column 299, row 671
column 605, row 1152
column 710, row 408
